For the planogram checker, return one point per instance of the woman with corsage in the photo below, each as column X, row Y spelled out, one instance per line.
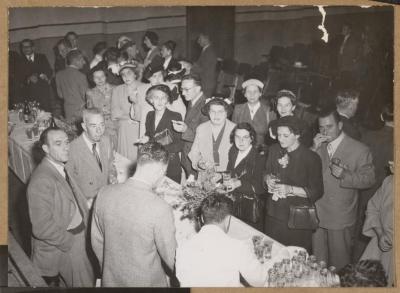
column 246, row 166
column 293, row 177
column 159, row 128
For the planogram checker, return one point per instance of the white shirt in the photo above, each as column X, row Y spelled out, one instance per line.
column 241, row 155
column 59, row 167
column 166, row 62
column 211, row 258
column 90, row 144
column 31, row 57
column 205, row 47
column 253, row 109
column 333, row 145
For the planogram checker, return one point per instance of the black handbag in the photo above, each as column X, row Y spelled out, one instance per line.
column 247, row 207
column 303, row 217
column 163, row 137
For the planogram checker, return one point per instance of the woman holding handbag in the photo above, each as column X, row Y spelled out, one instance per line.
column 294, row 181
column 246, row 166
column 159, row 128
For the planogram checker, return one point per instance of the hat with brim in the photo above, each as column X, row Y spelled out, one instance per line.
column 126, row 65
column 127, row 45
column 226, row 103
column 152, row 68
column 252, row 81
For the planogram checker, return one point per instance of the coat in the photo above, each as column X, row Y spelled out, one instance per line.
column 337, row 209
column 40, row 91
column 380, row 214
column 250, row 170
column 194, row 117
column 174, row 148
column 52, row 206
column 83, row 165
column 132, row 231
column 205, row 67
column 202, row 147
column 260, row 122
column 71, row 87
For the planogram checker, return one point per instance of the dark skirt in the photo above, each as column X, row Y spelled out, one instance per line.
column 280, row 232
column 174, row 171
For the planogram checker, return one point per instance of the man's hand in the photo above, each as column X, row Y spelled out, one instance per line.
column 179, row 126
column 319, row 139
column 384, row 242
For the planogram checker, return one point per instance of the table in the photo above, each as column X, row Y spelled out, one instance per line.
column 20, row 157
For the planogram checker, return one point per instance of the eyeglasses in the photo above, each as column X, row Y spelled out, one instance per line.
column 186, row 89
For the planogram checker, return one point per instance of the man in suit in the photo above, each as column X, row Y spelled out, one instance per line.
column 192, row 91
column 346, row 106
column 35, row 73
column 72, row 40
column 91, row 155
column 133, row 229
column 59, row 215
column 347, row 167
column 72, row 86
column 205, row 66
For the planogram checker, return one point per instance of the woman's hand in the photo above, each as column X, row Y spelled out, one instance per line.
column 143, row 139
column 283, row 190
column 384, row 242
column 232, row 184
column 179, row 126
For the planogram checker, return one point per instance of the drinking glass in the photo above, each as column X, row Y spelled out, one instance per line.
column 29, row 132
column 267, row 249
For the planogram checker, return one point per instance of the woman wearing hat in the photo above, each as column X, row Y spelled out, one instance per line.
column 212, row 141
column 256, row 113
column 286, row 103
column 100, row 97
column 293, row 177
column 122, row 97
column 159, row 121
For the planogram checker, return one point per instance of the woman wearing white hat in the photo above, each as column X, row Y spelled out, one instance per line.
column 255, row 112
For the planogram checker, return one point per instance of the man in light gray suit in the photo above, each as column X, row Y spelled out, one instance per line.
column 347, row 167
column 91, row 155
column 133, row 230
column 58, row 214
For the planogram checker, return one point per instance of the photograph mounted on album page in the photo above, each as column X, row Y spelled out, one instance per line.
column 199, row 146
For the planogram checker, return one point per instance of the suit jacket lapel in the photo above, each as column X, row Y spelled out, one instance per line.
column 163, row 121
column 324, row 156
column 86, row 154
column 341, row 148
column 60, row 179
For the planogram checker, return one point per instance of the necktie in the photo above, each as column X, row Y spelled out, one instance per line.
column 330, row 150
column 96, row 155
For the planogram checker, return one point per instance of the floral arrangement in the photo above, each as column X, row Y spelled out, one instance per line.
column 193, row 197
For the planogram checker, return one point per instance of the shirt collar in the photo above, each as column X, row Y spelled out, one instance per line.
column 255, row 107
column 211, row 229
column 335, row 143
column 343, row 114
column 89, row 143
column 193, row 102
column 242, row 155
column 31, row 56
column 59, row 167
column 205, row 47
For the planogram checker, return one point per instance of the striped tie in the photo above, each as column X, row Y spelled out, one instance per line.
column 96, row 154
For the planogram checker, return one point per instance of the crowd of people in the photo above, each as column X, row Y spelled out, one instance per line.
column 161, row 114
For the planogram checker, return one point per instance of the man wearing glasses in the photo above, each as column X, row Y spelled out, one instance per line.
column 211, row 258
column 192, row 91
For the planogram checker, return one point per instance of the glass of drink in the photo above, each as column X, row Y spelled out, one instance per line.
column 267, row 249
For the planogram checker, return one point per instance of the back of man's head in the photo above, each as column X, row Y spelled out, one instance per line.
column 365, row 273
column 347, row 102
column 73, row 56
column 215, row 208
column 152, row 152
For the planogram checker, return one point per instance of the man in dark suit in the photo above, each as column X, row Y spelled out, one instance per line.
column 346, row 106
column 35, row 73
column 91, row 155
column 59, row 215
column 346, row 168
column 133, row 229
column 205, row 66
column 192, row 91
column 72, row 86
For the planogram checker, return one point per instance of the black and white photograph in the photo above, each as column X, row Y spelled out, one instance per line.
column 201, row 146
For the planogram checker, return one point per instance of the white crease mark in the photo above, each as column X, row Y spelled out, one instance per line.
column 322, row 25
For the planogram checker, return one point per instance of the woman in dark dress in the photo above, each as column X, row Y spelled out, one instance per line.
column 160, row 119
column 294, row 177
column 246, row 166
